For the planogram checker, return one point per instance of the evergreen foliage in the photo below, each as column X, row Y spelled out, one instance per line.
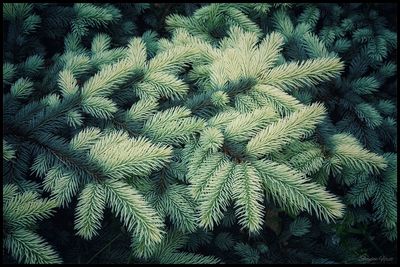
column 199, row 133
column 21, row 211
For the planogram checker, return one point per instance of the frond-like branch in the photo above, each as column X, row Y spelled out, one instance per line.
column 293, row 191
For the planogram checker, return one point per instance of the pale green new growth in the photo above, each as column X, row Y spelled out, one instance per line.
column 293, row 75
column 181, row 211
column 351, row 154
column 134, row 212
column 99, row 107
column 245, row 126
column 90, row 210
column 100, row 43
column 210, row 166
column 222, row 119
column 20, row 212
column 293, row 191
column 211, row 139
column 299, row 124
column 108, row 79
column 141, row 111
column 278, row 99
column 269, row 49
column 67, row 186
column 30, row 248
column 215, row 195
column 248, row 195
column 172, row 125
column 85, row 139
column 25, row 209
column 118, row 157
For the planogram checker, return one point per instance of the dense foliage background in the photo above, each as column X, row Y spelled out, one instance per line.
column 200, row 133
